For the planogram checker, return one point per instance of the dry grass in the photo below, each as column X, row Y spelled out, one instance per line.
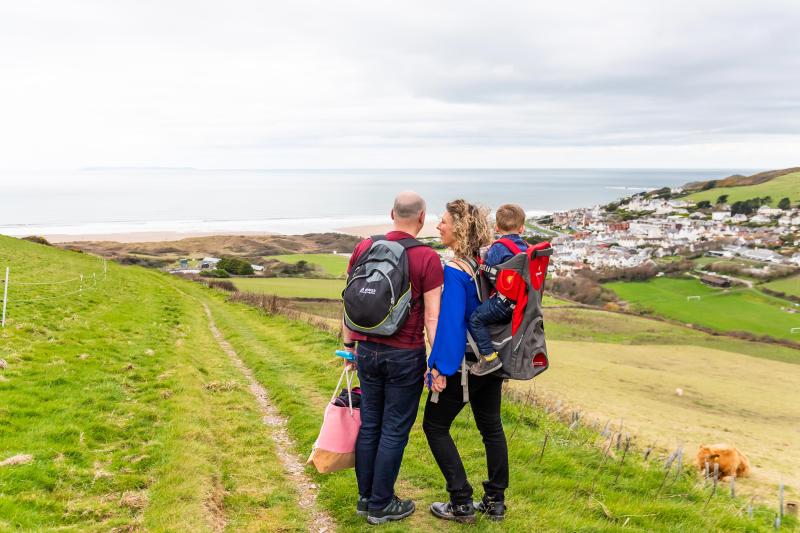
column 727, row 397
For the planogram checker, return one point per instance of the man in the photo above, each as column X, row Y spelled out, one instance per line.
column 391, row 371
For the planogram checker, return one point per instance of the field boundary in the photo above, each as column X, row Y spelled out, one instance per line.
column 321, row 521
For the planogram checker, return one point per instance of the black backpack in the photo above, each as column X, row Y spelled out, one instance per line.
column 377, row 297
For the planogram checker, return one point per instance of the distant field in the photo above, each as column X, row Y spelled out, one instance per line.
column 729, row 310
column 788, row 285
column 293, row 287
column 333, row 264
column 727, row 397
column 787, row 186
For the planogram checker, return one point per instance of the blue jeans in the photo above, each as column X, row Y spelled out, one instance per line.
column 492, row 311
column 391, row 386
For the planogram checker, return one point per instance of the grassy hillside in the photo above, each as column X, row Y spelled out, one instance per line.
column 140, row 421
column 723, row 310
column 786, row 186
column 133, row 418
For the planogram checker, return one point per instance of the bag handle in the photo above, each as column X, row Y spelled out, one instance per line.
column 348, row 376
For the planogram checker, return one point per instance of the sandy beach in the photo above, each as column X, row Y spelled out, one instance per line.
column 143, row 236
column 429, row 230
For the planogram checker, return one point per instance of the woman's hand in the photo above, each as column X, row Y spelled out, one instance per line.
column 437, row 381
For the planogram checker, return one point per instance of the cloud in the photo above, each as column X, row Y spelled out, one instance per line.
column 251, row 83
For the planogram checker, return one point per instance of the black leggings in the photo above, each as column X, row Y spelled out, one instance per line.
column 484, row 397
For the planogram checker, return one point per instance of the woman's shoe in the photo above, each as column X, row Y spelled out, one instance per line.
column 491, row 509
column 464, row 514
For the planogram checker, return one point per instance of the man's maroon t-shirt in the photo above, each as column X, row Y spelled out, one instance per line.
column 425, row 270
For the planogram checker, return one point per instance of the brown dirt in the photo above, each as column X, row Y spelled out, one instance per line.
column 293, row 464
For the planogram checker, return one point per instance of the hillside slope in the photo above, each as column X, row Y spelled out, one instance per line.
column 783, row 186
column 136, row 419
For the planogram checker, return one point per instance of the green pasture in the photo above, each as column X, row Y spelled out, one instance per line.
column 136, row 420
column 733, row 309
column 789, row 286
column 292, row 287
column 133, row 417
column 786, row 186
column 331, row 264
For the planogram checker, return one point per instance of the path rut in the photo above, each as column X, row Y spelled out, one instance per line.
column 321, row 522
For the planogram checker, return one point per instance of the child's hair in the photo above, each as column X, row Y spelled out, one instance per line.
column 509, row 217
column 470, row 227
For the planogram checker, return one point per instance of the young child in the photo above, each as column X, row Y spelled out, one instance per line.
column 510, row 222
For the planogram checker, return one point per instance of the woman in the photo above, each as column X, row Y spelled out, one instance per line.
column 464, row 228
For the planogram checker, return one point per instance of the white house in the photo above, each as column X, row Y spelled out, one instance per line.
column 760, row 219
column 720, row 215
column 209, row 262
column 769, row 211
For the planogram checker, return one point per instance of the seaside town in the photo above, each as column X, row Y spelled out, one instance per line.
column 648, row 226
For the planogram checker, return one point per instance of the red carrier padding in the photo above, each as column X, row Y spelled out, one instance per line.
column 511, row 285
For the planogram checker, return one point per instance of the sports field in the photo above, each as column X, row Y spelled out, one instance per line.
column 722, row 310
column 786, row 186
column 332, row 264
column 292, row 287
column 790, row 286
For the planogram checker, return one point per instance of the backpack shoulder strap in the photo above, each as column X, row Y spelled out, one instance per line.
column 375, row 238
column 508, row 243
column 411, row 243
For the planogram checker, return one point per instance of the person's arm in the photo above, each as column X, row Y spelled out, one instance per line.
column 433, row 301
column 451, row 329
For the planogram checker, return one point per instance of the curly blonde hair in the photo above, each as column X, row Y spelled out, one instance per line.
column 471, row 228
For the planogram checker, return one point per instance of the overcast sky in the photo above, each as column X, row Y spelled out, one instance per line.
column 379, row 84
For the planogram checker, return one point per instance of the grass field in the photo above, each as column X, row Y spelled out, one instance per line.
column 728, row 397
column 790, row 286
column 331, row 264
column 136, row 420
column 786, row 186
column 722, row 310
column 110, row 393
column 293, row 287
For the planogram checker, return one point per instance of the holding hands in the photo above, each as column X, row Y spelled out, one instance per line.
column 435, row 381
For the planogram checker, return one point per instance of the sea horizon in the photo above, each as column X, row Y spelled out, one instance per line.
column 122, row 200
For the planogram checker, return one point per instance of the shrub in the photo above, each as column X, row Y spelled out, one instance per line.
column 235, row 266
column 216, row 273
column 37, row 239
column 784, row 204
column 222, row 285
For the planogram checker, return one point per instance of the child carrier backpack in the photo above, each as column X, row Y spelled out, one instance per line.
column 377, row 296
column 520, row 344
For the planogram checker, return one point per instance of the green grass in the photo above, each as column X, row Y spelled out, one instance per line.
column 131, row 439
column 331, row 264
column 561, row 493
column 123, row 437
column 722, row 310
column 597, row 326
column 293, row 287
column 786, row 186
column 789, row 286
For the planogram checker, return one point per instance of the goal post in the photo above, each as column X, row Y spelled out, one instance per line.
column 794, row 330
column 692, row 298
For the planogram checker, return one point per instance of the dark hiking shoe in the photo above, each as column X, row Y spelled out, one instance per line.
column 486, row 365
column 458, row 513
column 396, row 510
column 362, row 507
column 491, row 509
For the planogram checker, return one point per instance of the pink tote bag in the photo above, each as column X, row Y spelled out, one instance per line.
column 335, row 447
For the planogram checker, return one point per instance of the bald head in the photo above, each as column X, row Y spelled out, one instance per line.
column 408, row 206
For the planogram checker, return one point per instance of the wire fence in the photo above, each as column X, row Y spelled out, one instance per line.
column 32, row 290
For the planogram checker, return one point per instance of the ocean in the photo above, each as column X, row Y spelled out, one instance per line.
column 100, row 201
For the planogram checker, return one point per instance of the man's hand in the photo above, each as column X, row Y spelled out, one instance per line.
column 435, row 381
